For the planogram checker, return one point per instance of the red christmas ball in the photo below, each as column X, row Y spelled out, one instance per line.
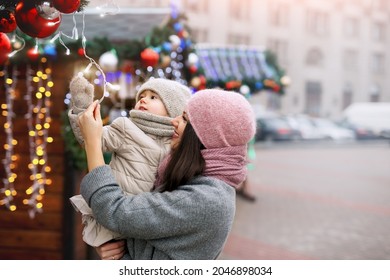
column 5, row 48
column 33, row 54
column 81, row 52
column 193, row 69
column 7, row 21
column 149, row 57
column 31, row 21
column 128, row 67
column 66, row 6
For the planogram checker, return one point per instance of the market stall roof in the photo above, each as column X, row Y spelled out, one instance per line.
column 121, row 24
column 233, row 66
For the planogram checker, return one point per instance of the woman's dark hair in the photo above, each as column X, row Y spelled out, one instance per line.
column 186, row 161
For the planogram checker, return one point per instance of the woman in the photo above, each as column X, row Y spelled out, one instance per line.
column 190, row 213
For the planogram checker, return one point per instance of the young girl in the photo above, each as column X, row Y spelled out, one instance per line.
column 137, row 144
column 191, row 211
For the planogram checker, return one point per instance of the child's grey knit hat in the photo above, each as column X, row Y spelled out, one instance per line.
column 173, row 94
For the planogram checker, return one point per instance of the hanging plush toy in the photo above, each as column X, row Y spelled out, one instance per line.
column 82, row 95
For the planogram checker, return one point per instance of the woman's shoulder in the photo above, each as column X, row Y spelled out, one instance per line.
column 208, row 186
column 208, row 180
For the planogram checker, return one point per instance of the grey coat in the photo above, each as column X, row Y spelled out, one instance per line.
column 192, row 222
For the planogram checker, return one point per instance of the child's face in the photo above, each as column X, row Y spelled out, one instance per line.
column 179, row 123
column 150, row 102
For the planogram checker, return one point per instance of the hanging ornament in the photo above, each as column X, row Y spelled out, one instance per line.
column 193, row 69
column 245, row 90
column 50, row 50
column 33, row 18
column 149, row 57
column 5, row 48
column 33, row 54
column 7, row 21
column 203, row 82
column 167, row 47
column 47, row 11
column 81, row 52
column 175, row 41
column 66, row 6
column 108, row 61
column 233, row 84
column 165, row 61
column 195, row 82
column 285, row 81
column 128, row 66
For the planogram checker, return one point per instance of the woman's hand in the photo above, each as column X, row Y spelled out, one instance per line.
column 91, row 124
column 91, row 127
column 112, row 250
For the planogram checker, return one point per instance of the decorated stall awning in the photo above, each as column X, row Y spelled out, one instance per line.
column 124, row 24
column 233, row 67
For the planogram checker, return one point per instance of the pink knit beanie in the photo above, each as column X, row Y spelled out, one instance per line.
column 221, row 118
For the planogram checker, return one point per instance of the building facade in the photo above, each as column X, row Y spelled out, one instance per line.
column 334, row 51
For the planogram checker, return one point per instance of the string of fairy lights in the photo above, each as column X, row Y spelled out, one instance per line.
column 38, row 92
column 38, row 86
column 10, row 159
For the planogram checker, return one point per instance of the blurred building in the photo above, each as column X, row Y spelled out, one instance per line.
column 335, row 52
column 118, row 19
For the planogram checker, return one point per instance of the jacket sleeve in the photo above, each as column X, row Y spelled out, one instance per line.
column 148, row 215
column 114, row 135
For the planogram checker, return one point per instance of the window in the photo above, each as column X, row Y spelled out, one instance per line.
column 350, row 59
column 379, row 5
column 238, row 39
column 378, row 32
column 375, row 92
column 280, row 48
column 313, row 98
column 278, row 14
column 347, row 95
column 200, row 35
column 317, row 23
column 378, row 63
column 240, row 9
column 314, row 57
column 351, row 27
column 273, row 101
column 195, row 6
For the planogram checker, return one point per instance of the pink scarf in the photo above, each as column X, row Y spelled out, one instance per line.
column 227, row 164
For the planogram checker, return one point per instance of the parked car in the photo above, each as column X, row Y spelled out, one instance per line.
column 273, row 128
column 305, row 126
column 361, row 132
column 332, row 131
column 373, row 115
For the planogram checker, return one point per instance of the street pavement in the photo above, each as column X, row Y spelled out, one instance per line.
column 315, row 201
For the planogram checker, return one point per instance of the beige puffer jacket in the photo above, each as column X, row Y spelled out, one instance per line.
column 135, row 154
column 134, row 162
